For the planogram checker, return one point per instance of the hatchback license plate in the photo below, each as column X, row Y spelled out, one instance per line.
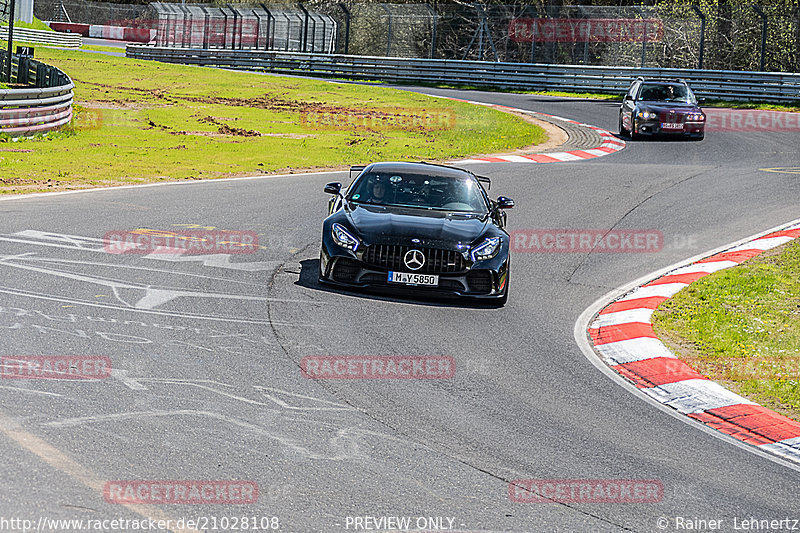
column 671, row 126
column 414, row 279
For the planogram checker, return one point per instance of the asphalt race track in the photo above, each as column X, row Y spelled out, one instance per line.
column 207, row 386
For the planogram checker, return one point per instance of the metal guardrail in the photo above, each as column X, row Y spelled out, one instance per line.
column 722, row 84
column 45, row 104
column 67, row 40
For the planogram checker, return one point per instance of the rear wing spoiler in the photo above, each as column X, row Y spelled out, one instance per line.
column 357, row 169
column 484, row 179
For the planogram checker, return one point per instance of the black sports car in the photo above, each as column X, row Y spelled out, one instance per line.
column 661, row 107
column 417, row 227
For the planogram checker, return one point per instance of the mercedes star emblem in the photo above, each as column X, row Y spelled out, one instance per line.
column 414, row 259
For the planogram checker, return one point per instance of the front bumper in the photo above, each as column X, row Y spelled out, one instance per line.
column 653, row 127
column 347, row 271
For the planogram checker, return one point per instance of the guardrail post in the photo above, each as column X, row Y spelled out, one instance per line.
column 702, row 36
column 763, row 16
column 346, row 29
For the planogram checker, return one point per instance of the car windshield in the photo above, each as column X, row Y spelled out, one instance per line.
column 666, row 92
column 443, row 193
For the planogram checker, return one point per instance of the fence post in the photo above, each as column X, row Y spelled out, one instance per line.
column 346, row 28
column 206, row 17
column 305, row 25
column 10, row 37
column 269, row 36
column 433, row 31
column 389, row 33
column 702, row 35
column 644, row 42
column 763, row 16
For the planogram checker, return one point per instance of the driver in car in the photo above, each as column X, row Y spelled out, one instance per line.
column 378, row 192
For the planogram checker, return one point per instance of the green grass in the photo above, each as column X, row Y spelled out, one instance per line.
column 98, row 48
column 35, row 25
column 141, row 121
column 741, row 327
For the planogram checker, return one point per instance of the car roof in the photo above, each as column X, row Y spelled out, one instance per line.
column 660, row 80
column 427, row 169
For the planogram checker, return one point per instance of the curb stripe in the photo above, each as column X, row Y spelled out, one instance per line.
column 617, row 353
column 611, row 143
column 789, row 448
column 622, row 332
column 623, row 336
column 737, row 257
column 657, row 371
column 687, row 278
column 666, row 290
column 624, row 317
column 639, row 303
column 694, row 395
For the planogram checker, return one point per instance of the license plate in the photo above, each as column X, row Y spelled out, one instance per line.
column 414, row 279
column 671, row 126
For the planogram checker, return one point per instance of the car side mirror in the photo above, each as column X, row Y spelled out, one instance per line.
column 333, row 188
column 504, row 203
column 701, row 100
column 628, row 98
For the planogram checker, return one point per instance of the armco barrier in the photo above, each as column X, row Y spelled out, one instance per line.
column 67, row 40
column 762, row 86
column 44, row 105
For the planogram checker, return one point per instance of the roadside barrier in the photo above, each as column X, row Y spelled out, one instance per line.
column 722, row 84
column 43, row 105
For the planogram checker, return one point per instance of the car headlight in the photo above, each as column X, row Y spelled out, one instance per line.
column 647, row 115
column 486, row 250
column 344, row 238
column 696, row 117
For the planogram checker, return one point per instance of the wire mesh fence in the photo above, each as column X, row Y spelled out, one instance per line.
column 713, row 34
column 89, row 12
column 273, row 27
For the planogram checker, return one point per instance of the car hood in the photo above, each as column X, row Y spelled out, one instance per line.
column 660, row 107
column 379, row 224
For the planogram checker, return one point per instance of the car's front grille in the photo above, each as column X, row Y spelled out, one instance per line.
column 676, row 118
column 437, row 261
column 480, row 281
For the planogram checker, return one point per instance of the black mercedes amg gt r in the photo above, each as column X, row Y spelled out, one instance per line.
column 417, row 228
